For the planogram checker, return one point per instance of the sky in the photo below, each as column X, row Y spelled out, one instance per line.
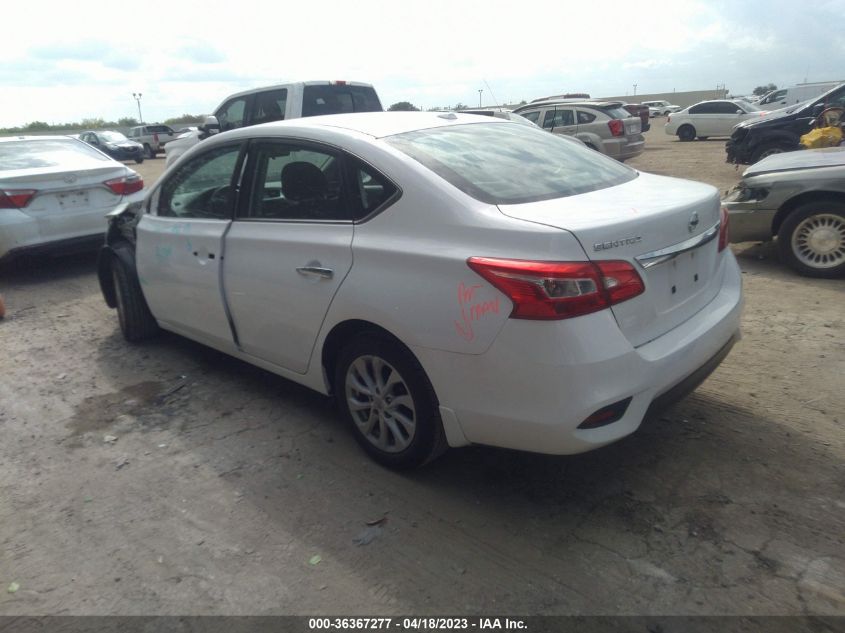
column 65, row 62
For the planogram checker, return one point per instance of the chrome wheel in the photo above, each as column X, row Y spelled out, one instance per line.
column 381, row 404
column 819, row 241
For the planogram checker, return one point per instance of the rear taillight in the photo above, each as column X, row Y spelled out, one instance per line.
column 617, row 127
column 125, row 184
column 15, row 198
column 559, row 290
column 723, row 229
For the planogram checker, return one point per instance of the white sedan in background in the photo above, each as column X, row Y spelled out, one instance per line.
column 450, row 279
column 711, row 118
column 55, row 192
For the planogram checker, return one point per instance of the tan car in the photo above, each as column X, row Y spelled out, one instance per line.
column 601, row 125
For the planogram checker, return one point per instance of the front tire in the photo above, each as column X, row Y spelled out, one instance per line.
column 383, row 392
column 768, row 150
column 686, row 133
column 136, row 321
column 139, row 160
column 811, row 239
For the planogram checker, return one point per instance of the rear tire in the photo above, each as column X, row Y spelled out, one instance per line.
column 703, row 138
column 384, row 394
column 811, row 239
column 686, row 133
column 136, row 321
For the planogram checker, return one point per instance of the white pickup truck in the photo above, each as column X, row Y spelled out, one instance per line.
column 274, row 103
column 153, row 137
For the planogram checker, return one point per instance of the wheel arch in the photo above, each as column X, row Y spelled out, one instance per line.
column 809, row 196
column 344, row 331
column 125, row 252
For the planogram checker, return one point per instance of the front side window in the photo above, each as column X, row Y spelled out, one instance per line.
column 510, row 164
column 231, row 115
column 533, row 116
column 202, row 188
column 292, row 182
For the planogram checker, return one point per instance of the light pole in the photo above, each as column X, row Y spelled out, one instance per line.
column 479, row 96
column 137, row 97
column 635, row 90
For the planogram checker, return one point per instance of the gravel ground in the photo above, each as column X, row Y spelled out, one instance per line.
column 167, row 478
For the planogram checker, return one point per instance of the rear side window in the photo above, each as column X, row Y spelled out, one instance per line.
column 703, row 108
column 370, row 189
column 585, row 117
column 48, row 153
column 339, row 99
column 270, row 106
column 556, row 118
column 293, row 182
column 617, row 113
column 510, row 164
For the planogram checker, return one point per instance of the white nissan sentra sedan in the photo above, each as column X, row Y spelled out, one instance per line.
column 451, row 279
column 55, row 192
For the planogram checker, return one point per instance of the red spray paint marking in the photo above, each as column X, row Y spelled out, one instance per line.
column 470, row 311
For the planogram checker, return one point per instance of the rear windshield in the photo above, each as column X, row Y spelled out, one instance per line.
column 339, row 99
column 510, row 164
column 616, row 113
column 32, row 154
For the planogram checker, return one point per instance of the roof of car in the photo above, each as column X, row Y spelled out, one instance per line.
column 297, row 83
column 376, row 124
column 586, row 103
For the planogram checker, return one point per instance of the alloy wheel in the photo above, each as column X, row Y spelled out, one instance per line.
column 381, row 404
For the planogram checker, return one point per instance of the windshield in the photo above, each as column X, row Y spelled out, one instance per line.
column 510, row 164
column 30, row 154
column 112, row 137
column 339, row 99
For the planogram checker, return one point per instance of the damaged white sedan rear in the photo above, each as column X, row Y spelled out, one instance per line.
column 451, row 279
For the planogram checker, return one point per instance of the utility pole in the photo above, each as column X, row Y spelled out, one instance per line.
column 137, row 97
column 635, row 90
column 480, row 90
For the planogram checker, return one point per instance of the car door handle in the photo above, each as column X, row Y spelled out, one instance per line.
column 325, row 273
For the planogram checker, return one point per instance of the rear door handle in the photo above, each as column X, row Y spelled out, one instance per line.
column 325, row 273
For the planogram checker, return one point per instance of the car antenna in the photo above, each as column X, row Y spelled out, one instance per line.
column 495, row 103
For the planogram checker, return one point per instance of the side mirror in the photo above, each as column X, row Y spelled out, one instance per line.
column 211, row 125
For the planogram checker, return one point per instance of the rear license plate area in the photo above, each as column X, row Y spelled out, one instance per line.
column 73, row 199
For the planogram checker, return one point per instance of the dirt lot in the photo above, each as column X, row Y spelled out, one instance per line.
column 224, row 482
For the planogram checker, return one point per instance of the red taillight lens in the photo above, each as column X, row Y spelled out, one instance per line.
column 559, row 290
column 617, row 127
column 15, row 198
column 723, row 229
column 125, row 184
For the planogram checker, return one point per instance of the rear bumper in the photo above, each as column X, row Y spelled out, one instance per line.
column 748, row 223
column 623, row 149
column 540, row 380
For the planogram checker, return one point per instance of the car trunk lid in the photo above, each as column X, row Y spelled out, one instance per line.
column 663, row 226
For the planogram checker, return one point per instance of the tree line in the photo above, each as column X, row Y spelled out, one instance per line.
column 96, row 124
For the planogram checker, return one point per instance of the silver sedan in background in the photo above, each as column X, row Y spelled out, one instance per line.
column 798, row 197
